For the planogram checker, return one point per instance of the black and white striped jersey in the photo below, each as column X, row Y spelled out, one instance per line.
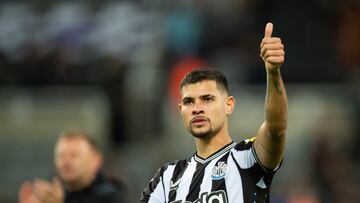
column 233, row 174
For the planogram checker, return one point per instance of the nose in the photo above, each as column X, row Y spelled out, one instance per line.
column 197, row 109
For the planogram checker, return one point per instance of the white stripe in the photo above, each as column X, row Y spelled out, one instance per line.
column 233, row 182
column 245, row 158
column 185, row 182
column 158, row 194
column 161, row 194
column 167, row 176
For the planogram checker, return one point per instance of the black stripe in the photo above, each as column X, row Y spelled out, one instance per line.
column 145, row 196
column 196, row 181
column 177, row 175
column 244, row 145
column 220, row 184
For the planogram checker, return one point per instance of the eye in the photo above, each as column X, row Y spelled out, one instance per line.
column 187, row 102
column 208, row 99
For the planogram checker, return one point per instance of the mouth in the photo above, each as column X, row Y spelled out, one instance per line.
column 199, row 120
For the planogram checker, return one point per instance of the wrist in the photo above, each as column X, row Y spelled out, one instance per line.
column 273, row 71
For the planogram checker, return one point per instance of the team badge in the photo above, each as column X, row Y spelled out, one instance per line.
column 219, row 171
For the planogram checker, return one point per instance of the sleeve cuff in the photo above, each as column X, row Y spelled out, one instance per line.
column 267, row 170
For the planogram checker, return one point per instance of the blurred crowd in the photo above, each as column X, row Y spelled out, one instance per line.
column 113, row 44
column 135, row 50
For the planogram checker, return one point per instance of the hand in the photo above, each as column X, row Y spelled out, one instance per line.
column 48, row 192
column 271, row 50
column 26, row 195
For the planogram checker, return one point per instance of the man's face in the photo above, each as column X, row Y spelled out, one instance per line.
column 74, row 159
column 204, row 108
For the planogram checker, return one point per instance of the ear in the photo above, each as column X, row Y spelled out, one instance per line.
column 230, row 105
column 99, row 160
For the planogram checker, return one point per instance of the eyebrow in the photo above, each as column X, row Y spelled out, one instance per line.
column 208, row 96
column 202, row 97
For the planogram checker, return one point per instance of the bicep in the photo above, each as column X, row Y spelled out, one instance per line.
column 269, row 148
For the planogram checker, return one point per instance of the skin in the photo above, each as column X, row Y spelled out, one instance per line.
column 270, row 139
column 205, row 108
column 77, row 164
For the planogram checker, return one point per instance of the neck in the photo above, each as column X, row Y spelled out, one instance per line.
column 206, row 147
column 81, row 184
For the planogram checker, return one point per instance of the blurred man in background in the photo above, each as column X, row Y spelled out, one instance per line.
column 222, row 170
column 78, row 163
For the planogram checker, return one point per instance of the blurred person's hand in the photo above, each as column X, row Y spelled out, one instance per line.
column 272, row 50
column 48, row 192
column 26, row 194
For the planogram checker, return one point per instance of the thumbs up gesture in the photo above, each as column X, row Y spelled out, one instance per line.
column 271, row 50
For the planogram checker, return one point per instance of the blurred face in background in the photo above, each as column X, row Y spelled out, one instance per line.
column 76, row 161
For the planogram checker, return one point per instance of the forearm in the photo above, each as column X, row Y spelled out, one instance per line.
column 275, row 104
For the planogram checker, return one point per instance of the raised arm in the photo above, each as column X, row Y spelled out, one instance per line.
column 270, row 139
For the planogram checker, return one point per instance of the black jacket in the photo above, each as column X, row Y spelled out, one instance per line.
column 102, row 190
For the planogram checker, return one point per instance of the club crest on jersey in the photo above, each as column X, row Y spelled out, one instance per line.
column 219, row 171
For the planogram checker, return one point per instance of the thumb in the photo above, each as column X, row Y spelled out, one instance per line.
column 268, row 30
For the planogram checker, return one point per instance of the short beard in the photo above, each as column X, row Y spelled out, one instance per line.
column 204, row 135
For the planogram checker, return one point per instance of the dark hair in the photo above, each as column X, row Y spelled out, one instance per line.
column 202, row 74
column 70, row 134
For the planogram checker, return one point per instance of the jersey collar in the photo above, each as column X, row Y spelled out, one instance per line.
column 216, row 154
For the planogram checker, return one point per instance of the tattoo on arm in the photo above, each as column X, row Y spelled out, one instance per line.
column 277, row 87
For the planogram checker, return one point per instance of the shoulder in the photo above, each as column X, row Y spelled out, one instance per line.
column 108, row 189
column 245, row 144
column 161, row 177
column 170, row 166
column 246, row 156
column 108, row 185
